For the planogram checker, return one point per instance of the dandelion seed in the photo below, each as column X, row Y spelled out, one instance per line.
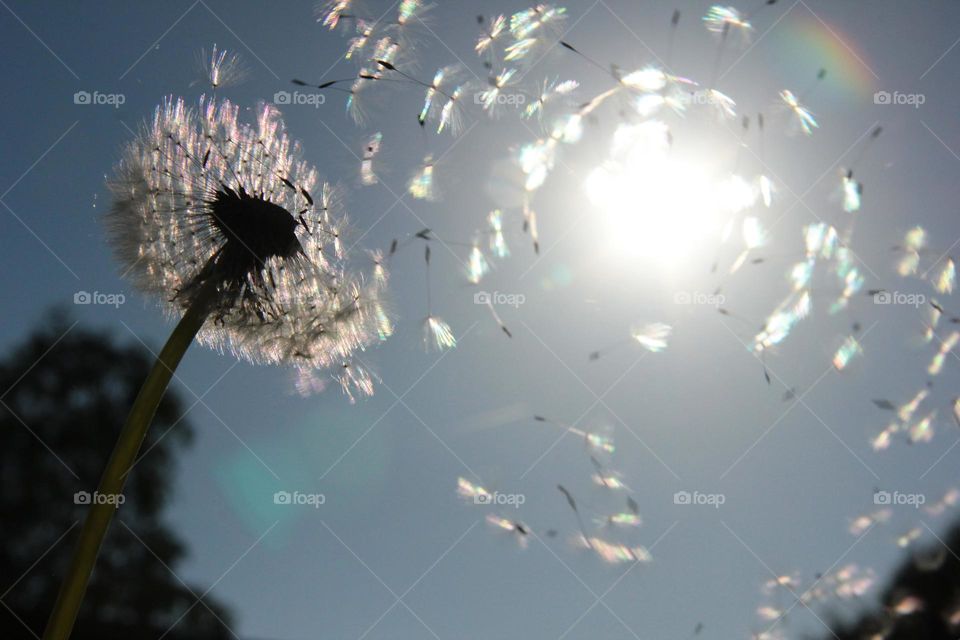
column 922, row 430
column 905, row 413
column 450, row 114
column 722, row 20
column 471, row 491
column 421, row 186
column 519, row 49
column 802, row 115
column 542, row 17
column 549, row 92
column 949, row 500
column 222, row 69
column 498, row 245
column 846, row 353
column 909, row 537
column 357, row 44
column 491, row 98
column 334, row 12
column 477, row 265
column 946, row 279
column 614, row 553
column 936, row 365
column 429, row 100
column 914, row 241
column 766, row 190
column 653, row 337
column 625, row 520
column 367, row 175
column 860, row 525
column 437, row 334
column 907, row 605
column 852, row 192
column 486, row 41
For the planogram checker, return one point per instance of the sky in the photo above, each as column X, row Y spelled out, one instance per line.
column 393, row 552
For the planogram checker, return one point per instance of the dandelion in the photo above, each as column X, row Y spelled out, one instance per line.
column 214, row 219
column 222, row 69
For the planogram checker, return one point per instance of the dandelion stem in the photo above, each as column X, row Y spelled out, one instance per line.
column 131, row 437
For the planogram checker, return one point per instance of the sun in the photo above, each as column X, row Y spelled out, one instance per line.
column 656, row 206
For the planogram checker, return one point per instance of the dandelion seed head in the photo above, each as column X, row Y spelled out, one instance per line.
column 209, row 210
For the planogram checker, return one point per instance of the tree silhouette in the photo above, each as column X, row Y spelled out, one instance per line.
column 64, row 395
column 931, row 575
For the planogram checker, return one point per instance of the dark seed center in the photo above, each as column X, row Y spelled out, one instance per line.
column 256, row 228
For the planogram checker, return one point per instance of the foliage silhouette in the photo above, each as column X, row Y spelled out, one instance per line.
column 65, row 394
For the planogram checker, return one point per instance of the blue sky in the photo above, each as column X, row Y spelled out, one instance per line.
column 393, row 552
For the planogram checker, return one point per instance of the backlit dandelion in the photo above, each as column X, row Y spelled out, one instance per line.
column 421, row 185
column 214, row 219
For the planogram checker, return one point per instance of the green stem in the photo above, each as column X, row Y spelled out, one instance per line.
column 121, row 462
